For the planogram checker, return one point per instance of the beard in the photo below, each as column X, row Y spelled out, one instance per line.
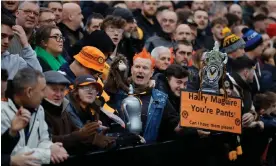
column 149, row 15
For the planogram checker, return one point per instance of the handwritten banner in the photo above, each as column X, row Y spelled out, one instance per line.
column 210, row 112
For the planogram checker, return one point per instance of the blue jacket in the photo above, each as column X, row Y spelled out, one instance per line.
column 156, row 107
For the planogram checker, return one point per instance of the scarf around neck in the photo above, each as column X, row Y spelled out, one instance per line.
column 53, row 62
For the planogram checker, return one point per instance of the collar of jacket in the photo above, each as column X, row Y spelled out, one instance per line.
column 46, row 103
column 4, row 54
column 240, row 81
column 15, row 107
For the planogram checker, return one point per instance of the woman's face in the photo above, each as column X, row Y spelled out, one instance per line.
column 163, row 61
column 54, row 44
column 87, row 93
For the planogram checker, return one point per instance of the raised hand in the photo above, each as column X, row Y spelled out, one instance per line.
column 18, row 30
column 20, row 120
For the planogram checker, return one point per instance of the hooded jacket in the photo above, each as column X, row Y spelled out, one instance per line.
column 13, row 62
column 39, row 140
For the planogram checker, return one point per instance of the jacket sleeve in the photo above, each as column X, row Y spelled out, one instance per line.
column 69, row 141
column 8, row 142
column 29, row 56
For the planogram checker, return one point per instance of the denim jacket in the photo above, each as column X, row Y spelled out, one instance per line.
column 156, row 107
column 155, row 111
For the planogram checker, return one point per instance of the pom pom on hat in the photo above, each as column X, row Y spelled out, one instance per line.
column 231, row 42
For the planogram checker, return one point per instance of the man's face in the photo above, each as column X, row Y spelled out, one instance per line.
column 237, row 10
column 183, row 32
column 57, row 9
column 266, row 40
column 260, row 26
column 167, row 4
column 141, row 71
column 46, row 18
column 249, row 75
column 238, row 53
column 55, row 93
column 197, row 5
column 95, row 25
column 149, row 8
column 193, row 32
column 115, row 34
column 183, row 54
column 36, row 93
column 177, row 85
column 76, row 17
column 27, row 16
column 163, row 61
column 217, row 31
column 201, row 18
column 132, row 5
column 259, row 50
column 11, row 5
column 168, row 22
column 6, row 37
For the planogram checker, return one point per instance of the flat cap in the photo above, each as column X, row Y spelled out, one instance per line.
column 55, row 77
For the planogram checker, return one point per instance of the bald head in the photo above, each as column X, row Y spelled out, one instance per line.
column 183, row 32
column 169, row 21
column 271, row 5
column 72, row 16
column 236, row 9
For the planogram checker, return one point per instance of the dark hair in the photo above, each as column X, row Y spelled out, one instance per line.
column 24, row 78
column 43, row 33
column 183, row 42
column 200, row 10
column 161, row 8
column 176, row 71
column 45, row 9
column 4, row 75
column 6, row 20
column 93, row 16
column 117, row 22
column 183, row 15
column 116, row 2
column 46, row 3
column 264, row 100
column 232, row 19
column 219, row 20
column 198, row 56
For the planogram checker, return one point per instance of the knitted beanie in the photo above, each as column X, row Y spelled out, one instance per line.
column 252, row 39
column 231, row 42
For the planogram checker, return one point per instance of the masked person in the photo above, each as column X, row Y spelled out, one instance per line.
column 28, row 88
column 75, row 139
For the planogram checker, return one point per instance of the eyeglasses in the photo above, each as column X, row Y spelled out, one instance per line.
column 29, row 12
column 112, row 30
column 58, row 38
column 49, row 21
column 89, row 89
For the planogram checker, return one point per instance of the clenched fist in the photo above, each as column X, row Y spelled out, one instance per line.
column 20, row 120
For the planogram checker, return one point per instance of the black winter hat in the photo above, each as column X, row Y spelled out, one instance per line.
column 124, row 13
column 100, row 40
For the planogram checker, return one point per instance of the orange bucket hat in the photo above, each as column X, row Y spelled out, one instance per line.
column 92, row 58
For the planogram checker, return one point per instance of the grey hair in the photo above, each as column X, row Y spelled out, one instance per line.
column 21, row 3
column 26, row 77
column 157, row 51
